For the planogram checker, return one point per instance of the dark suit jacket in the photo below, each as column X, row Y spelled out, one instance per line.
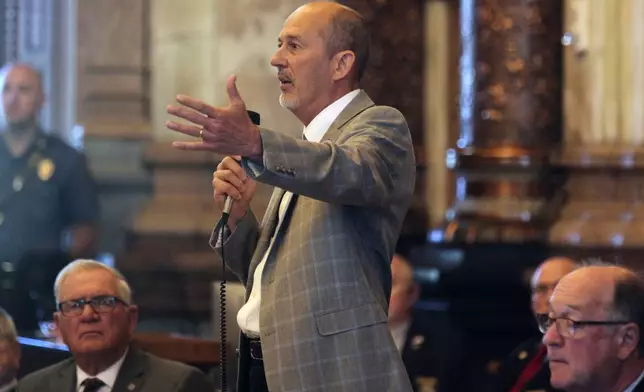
column 513, row 366
column 639, row 387
column 433, row 353
column 141, row 372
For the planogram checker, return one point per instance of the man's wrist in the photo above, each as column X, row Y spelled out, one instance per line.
column 257, row 151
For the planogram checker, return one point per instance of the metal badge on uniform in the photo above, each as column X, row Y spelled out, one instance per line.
column 417, row 341
column 17, row 183
column 523, row 354
column 131, row 386
column 45, row 169
column 426, row 384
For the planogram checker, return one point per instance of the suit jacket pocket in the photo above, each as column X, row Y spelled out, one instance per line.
column 337, row 321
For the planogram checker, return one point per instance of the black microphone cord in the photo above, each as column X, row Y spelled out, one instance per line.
column 223, row 349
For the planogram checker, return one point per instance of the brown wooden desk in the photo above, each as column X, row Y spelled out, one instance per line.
column 193, row 351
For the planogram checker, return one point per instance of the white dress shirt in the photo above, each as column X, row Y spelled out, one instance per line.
column 108, row 376
column 399, row 333
column 248, row 316
column 632, row 387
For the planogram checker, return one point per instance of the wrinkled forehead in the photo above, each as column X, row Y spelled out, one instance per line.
column 306, row 23
column 22, row 75
column 582, row 296
column 90, row 283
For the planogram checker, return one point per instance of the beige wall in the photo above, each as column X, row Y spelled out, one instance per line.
column 196, row 45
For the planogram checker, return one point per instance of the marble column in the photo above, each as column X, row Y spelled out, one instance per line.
column 604, row 83
column 510, row 115
column 440, row 103
column 604, row 126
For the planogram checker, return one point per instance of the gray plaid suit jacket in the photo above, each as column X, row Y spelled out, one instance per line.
column 326, row 283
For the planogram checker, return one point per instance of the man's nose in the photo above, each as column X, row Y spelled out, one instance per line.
column 278, row 60
column 89, row 313
column 552, row 337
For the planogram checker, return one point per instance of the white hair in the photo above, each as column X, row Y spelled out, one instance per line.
column 122, row 287
column 7, row 327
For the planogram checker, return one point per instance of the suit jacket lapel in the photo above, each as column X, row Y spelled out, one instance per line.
column 130, row 377
column 66, row 380
column 269, row 224
column 355, row 107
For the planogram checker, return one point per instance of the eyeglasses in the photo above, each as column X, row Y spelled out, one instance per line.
column 100, row 304
column 567, row 327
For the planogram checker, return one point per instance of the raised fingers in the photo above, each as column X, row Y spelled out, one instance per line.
column 187, row 114
column 198, row 105
column 190, row 130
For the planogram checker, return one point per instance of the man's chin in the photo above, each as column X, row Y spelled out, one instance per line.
column 289, row 103
column 19, row 125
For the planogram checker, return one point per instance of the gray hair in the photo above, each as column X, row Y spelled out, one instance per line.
column 122, row 287
column 348, row 31
column 7, row 327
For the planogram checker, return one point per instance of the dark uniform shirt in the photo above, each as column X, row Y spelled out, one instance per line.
column 514, row 367
column 42, row 193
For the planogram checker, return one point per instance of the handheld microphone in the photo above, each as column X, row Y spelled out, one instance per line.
column 223, row 346
column 228, row 203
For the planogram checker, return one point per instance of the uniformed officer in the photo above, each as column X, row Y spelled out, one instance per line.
column 48, row 201
column 431, row 349
column 526, row 369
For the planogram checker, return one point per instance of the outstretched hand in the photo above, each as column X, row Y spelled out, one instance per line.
column 227, row 131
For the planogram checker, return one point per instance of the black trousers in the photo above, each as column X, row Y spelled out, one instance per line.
column 251, row 368
column 257, row 377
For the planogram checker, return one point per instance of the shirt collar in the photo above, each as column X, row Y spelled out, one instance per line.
column 108, row 376
column 9, row 387
column 632, row 387
column 321, row 123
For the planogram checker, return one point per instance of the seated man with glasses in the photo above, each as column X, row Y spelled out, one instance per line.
column 96, row 320
column 593, row 332
column 9, row 353
column 526, row 368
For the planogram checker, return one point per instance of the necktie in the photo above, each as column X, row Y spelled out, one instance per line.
column 92, row 384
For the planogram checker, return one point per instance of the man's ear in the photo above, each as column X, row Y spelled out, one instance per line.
column 628, row 340
column 133, row 312
column 343, row 63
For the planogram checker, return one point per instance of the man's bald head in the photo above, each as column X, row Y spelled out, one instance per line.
column 607, row 302
column 545, row 278
column 342, row 28
column 617, row 290
column 22, row 95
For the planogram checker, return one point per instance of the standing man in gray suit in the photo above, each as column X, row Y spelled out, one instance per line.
column 317, row 267
column 97, row 319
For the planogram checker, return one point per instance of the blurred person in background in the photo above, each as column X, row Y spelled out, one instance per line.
column 48, row 201
column 526, row 369
column 593, row 332
column 9, row 353
column 431, row 349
